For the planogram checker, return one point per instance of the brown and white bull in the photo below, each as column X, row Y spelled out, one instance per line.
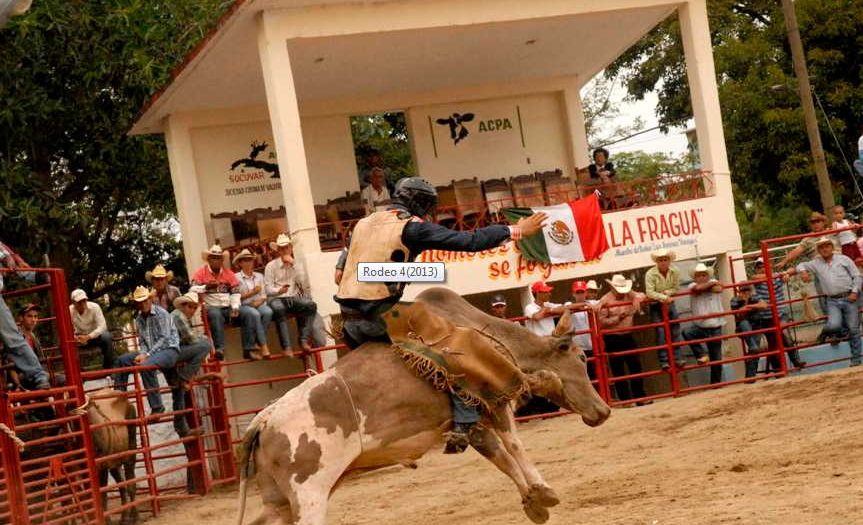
column 370, row 411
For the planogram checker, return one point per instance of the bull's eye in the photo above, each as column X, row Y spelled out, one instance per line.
column 563, row 347
column 583, row 358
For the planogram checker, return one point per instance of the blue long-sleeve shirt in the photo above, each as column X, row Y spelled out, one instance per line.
column 839, row 276
column 156, row 331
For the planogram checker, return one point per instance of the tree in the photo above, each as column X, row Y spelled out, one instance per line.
column 386, row 133
column 73, row 76
column 763, row 122
column 631, row 165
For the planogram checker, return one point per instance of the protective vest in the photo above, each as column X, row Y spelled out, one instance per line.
column 376, row 238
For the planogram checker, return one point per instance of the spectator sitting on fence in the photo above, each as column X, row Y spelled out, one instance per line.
column 160, row 346
column 848, row 238
column 28, row 318
column 285, row 281
column 221, row 290
column 255, row 313
column 661, row 282
column 540, row 312
column 581, row 321
column 194, row 348
column 806, row 247
column 744, row 307
column 763, row 316
column 163, row 292
column 839, row 280
column 614, row 316
column 91, row 330
column 706, row 299
column 498, row 306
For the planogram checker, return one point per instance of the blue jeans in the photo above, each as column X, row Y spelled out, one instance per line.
column 840, row 311
column 753, row 345
column 190, row 357
column 255, row 322
column 304, row 309
column 218, row 318
column 714, row 348
column 166, row 360
column 105, row 343
column 19, row 352
column 656, row 317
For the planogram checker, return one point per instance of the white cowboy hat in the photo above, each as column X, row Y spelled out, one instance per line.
column 244, row 254
column 141, row 294
column 188, row 297
column 701, row 268
column 665, row 252
column 620, row 283
column 282, row 240
column 78, row 295
column 823, row 240
column 157, row 273
column 591, row 285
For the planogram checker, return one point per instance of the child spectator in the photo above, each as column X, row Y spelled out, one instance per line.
column 706, row 300
column 744, row 307
column 847, row 238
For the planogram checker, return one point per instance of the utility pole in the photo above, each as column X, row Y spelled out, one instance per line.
column 805, row 91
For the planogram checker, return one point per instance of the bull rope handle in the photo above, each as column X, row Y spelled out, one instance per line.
column 11, row 433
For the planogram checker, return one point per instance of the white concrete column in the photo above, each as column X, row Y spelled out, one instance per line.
column 288, row 135
column 576, row 126
column 181, row 160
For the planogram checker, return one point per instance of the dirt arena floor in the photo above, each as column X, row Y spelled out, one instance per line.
column 784, row 452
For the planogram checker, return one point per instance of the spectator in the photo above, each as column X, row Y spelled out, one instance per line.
column 163, row 292
column 160, row 346
column 848, row 238
column 661, row 282
column 91, row 330
column 285, row 279
column 221, row 290
column 744, row 306
column 28, row 317
column 762, row 319
column 706, row 299
column 375, row 196
column 498, row 306
column 541, row 313
column 592, row 291
column 602, row 170
column 255, row 313
column 15, row 347
column 581, row 321
column 194, row 348
column 806, row 247
column 839, row 280
column 617, row 310
column 372, row 160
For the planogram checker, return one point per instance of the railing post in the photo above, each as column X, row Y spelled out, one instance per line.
column 18, row 514
column 774, row 309
column 669, row 343
column 219, row 411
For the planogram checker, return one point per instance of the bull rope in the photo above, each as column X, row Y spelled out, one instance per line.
column 353, row 406
column 15, row 439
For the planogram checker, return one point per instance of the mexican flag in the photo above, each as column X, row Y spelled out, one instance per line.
column 573, row 232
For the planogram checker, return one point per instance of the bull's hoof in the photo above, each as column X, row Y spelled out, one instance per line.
column 544, row 495
column 537, row 512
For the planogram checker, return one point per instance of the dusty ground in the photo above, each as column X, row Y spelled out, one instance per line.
column 786, row 451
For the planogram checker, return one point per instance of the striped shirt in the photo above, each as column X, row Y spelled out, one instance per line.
column 761, row 293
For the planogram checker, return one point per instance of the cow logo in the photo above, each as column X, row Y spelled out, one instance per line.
column 560, row 233
column 252, row 161
column 457, row 129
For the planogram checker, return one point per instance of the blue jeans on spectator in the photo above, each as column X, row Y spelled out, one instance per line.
column 166, row 360
column 190, row 358
column 304, row 309
column 840, row 311
column 753, row 346
column 105, row 343
column 19, row 352
column 656, row 317
column 218, row 318
column 255, row 322
column 714, row 348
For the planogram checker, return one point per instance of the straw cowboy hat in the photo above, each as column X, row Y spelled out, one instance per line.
column 141, row 294
column 244, row 254
column 823, row 240
column 216, row 251
column 817, row 216
column 665, row 252
column 701, row 268
column 188, row 297
column 282, row 240
column 157, row 273
column 620, row 283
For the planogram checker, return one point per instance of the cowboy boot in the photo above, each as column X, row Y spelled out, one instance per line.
column 458, row 439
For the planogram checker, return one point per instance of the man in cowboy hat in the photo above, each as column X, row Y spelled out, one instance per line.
column 592, row 293
column 221, row 290
column 194, row 348
column 91, row 329
column 541, row 312
column 763, row 316
column 661, row 282
column 400, row 234
column 498, row 306
column 617, row 310
column 806, row 247
column 163, row 292
column 838, row 278
column 255, row 313
column 706, row 300
column 286, row 285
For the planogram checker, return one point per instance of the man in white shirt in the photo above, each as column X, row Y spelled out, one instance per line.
column 541, row 313
column 375, row 196
column 286, row 284
column 706, row 299
column 91, row 330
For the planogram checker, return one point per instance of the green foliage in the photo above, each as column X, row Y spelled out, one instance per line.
column 767, row 145
column 388, row 134
column 631, row 165
column 73, row 76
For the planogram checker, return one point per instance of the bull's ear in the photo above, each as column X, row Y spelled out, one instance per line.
column 564, row 326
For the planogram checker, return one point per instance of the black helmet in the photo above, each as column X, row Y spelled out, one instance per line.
column 416, row 194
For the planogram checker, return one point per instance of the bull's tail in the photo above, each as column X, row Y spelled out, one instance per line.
column 246, row 459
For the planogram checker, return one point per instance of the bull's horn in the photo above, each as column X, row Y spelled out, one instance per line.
column 564, row 326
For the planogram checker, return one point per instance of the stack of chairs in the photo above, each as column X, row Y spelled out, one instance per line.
column 470, row 211
column 497, row 196
column 447, row 206
column 527, row 191
column 558, row 189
